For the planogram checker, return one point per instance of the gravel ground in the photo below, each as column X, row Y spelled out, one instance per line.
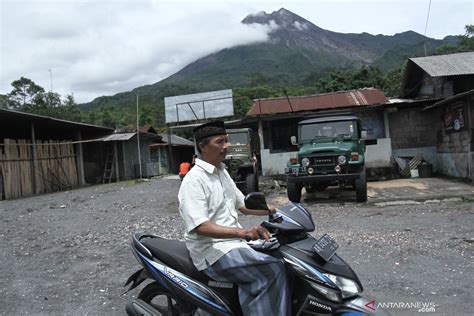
column 69, row 252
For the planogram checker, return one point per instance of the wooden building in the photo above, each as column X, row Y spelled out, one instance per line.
column 39, row 154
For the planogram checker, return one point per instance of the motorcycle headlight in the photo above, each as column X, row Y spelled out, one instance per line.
column 348, row 287
column 305, row 162
column 341, row 160
column 332, row 295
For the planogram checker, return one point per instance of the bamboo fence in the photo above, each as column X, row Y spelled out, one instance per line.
column 21, row 175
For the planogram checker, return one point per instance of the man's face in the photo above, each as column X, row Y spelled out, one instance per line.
column 215, row 150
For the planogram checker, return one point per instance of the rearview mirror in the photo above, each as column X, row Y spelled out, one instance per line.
column 363, row 135
column 256, row 201
column 293, row 140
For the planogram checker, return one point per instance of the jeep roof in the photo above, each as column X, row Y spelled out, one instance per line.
column 329, row 119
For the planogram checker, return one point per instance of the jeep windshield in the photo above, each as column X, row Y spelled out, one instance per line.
column 237, row 139
column 327, row 131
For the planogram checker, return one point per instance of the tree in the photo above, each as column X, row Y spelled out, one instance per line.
column 108, row 118
column 393, row 81
column 466, row 43
column 257, row 79
column 467, row 40
column 24, row 93
column 3, row 101
column 69, row 100
column 52, row 100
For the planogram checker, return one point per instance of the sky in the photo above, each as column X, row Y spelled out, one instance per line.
column 103, row 47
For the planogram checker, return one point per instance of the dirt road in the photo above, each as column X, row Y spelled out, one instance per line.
column 69, row 252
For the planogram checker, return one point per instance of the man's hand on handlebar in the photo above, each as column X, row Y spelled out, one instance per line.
column 256, row 232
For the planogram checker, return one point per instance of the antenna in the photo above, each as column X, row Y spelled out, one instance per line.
column 426, row 26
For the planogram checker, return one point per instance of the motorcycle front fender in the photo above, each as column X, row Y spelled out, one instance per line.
column 362, row 304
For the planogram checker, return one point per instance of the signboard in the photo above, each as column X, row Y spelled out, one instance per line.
column 199, row 106
column 455, row 118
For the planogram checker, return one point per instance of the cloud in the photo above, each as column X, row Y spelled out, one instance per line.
column 101, row 48
column 301, row 26
column 97, row 48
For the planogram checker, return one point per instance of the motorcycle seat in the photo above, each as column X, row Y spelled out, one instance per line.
column 174, row 254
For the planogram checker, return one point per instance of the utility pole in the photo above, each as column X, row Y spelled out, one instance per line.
column 51, row 91
column 51, row 78
column 138, row 143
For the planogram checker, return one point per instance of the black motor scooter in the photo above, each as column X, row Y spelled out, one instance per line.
column 323, row 282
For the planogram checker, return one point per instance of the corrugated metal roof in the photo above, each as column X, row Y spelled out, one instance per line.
column 342, row 99
column 176, row 140
column 401, row 100
column 118, row 136
column 15, row 115
column 447, row 65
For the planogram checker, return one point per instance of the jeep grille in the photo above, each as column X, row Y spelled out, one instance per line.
column 324, row 160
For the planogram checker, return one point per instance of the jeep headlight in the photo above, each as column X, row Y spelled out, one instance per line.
column 305, row 162
column 348, row 287
column 341, row 160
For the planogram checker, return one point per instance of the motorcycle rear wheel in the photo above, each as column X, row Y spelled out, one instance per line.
column 162, row 300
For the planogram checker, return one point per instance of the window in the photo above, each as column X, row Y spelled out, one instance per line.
column 280, row 134
column 324, row 130
column 238, row 138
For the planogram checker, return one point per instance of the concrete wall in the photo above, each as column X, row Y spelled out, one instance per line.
column 413, row 128
column 379, row 155
column 454, row 164
column 455, row 142
column 471, row 166
column 454, row 154
column 454, row 146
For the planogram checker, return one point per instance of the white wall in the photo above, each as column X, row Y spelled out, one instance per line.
column 274, row 163
column 379, row 155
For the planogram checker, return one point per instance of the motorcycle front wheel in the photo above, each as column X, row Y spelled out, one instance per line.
column 163, row 301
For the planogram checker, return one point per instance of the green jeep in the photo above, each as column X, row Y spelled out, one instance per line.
column 241, row 160
column 331, row 152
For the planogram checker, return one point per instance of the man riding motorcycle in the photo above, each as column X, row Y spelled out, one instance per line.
column 208, row 203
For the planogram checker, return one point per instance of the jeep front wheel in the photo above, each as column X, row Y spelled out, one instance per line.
column 361, row 188
column 294, row 192
column 250, row 183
